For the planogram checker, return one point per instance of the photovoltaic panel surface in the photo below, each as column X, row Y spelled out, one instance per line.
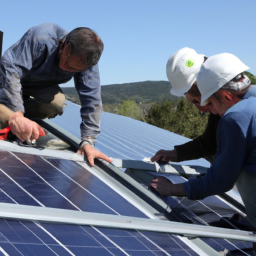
column 33, row 180
column 124, row 137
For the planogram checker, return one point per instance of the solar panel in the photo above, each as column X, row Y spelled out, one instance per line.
column 44, row 181
column 123, row 137
column 64, row 184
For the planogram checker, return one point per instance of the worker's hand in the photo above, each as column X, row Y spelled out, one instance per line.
column 92, row 153
column 165, row 156
column 166, row 188
column 24, row 128
column 162, row 185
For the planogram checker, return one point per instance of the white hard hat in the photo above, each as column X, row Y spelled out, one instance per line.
column 182, row 69
column 217, row 71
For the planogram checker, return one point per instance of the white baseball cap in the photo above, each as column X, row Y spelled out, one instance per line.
column 216, row 72
column 182, row 69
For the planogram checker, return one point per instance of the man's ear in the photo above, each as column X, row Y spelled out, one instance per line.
column 230, row 97
column 227, row 95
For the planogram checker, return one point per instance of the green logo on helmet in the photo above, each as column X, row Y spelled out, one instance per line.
column 189, row 62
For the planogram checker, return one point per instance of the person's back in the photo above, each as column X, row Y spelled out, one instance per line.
column 39, row 65
column 242, row 115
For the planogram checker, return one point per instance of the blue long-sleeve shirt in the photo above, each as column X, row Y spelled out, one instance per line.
column 33, row 62
column 236, row 151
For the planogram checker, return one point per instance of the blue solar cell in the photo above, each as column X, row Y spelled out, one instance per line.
column 71, row 190
column 10, row 249
column 15, row 233
column 35, row 249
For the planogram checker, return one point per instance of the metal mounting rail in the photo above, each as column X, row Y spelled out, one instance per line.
column 36, row 213
column 182, row 170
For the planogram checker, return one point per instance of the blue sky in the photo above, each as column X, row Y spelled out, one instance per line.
column 139, row 36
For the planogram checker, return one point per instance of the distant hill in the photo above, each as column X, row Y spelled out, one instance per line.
column 141, row 92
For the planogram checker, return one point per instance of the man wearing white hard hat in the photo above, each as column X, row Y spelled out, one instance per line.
column 223, row 86
column 182, row 69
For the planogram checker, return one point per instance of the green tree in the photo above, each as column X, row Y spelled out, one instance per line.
column 184, row 119
column 130, row 109
column 251, row 76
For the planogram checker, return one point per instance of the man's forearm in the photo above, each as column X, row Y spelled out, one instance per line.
column 6, row 113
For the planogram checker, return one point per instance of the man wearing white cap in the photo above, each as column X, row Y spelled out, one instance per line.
column 222, row 85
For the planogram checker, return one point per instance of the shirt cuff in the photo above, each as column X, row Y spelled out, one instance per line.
column 88, row 140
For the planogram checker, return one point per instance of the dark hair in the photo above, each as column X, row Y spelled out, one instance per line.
column 85, row 43
column 194, row 91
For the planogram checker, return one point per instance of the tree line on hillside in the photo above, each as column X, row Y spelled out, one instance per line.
column 181, row 117
column 141, row 92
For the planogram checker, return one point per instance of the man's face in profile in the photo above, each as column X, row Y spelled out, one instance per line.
column 69, row 62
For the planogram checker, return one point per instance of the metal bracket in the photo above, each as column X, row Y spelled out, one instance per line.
column 53, row 215
column 182, row 170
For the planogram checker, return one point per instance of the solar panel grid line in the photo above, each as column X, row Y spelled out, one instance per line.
column 185, row 240
column 3, row 251
column 192, row 245
column 39, row 238
column 8, row 196
column 144, row 145
column 112, row 149
column 123, row 150
column 43, row 206
column 136, row 131
column 127, row 128
column 111, row 241
column 111, row 141
column 67, row 199
column 95, row 228
column 121, row 192
column 54, row 238
column 21, row 188
column 34, row 235
column 112, row 138
column 47, row 182
column 159, row 247
column 45, row 230
column 80, row 186
column 105, row 182
column 144, row 142
column 11, row 243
